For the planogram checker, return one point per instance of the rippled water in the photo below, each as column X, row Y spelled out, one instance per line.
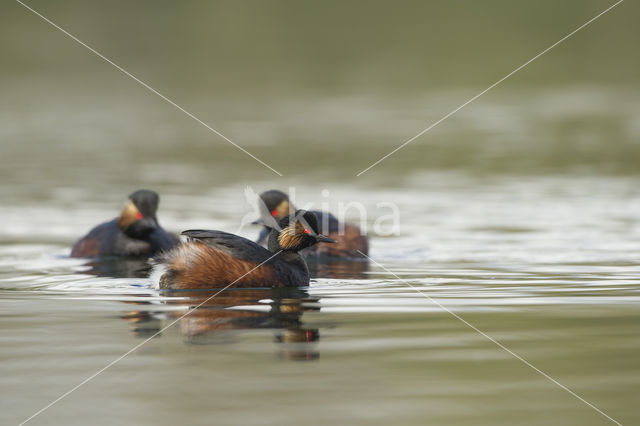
column 548, row 266
column 519, row 215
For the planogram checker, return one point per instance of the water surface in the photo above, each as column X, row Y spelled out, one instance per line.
column 520, row 214
column 547, row 266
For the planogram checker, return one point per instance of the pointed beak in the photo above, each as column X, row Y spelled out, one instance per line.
column 323, row 239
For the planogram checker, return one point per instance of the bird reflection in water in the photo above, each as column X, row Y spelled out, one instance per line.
column 221, row 317
column 234, row 309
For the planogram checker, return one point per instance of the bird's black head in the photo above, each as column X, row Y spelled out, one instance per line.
column 274, row 206
column 138, row 219
column 297, row 231
column 146, row 201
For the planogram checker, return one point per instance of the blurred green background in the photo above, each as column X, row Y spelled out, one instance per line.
column 520, row 211
column 317, row 90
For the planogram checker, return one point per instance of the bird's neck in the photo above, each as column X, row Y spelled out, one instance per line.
column 294, row 259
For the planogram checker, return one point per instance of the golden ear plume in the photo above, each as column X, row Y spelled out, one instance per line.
column 128, row 215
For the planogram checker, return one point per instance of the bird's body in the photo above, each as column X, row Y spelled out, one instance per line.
column 350, row 244
column 212, row 259
column 217, row 259
column 107, row 239
column 135, row 232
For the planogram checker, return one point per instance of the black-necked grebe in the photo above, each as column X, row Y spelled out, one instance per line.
column 350, row 241
column 213, row 259
column 135, row 232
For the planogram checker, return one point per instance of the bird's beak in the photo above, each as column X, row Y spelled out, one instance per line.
column 323, row 239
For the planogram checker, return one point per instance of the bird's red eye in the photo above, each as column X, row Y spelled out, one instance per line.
column 139, row 215
column 306, row 231
column 274, row 212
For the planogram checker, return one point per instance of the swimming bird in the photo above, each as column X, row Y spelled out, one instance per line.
column 135, row 232
column 211, row 259
column 350, row 241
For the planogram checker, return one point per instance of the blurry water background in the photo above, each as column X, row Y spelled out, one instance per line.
column 520, row 213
